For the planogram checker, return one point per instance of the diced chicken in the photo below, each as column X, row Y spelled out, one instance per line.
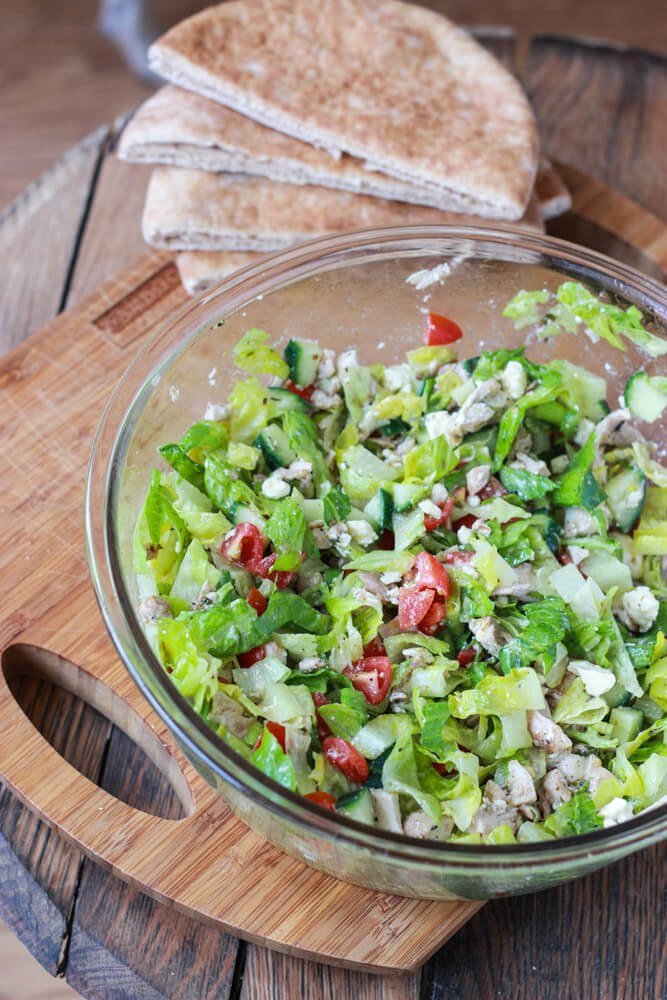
column 418, row 656
column 298, row 469
column 154, row 608
column 322, row 400
column 361, row 531
column 374, row 583
column 327, row 365
column 546, row 733
column 616, row 430
column 229, row 712
column 577, row 553
column 579, row 522
column 387, row 811
column 439, row 493
column 477, row 478
column 530, row 464
column 494, row 811
column 272, row 648
column 310, row 664
column 559, row 464
column 519, row 784
column 553, row 791
column 419, row 824
column 489, row 633
column 639, row 609
column 577, row 769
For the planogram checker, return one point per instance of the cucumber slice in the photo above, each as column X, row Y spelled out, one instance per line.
column 646, row 395
column 241, row 513
column 380, row 508
column 275, row 446
column 303, row 358
column 406, row 495
column 357, row 805
column 286, row 400
column 626, row 493
column 313, row 510
column 626, row 722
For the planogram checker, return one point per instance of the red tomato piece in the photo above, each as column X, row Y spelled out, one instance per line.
column 252, row 656
column 413, row 605
column 564, row 557
column 322, row 728
column 431, row 522
column 304, row 393
column 276, row 730
column 281, row 578
column 454, row 556
column 466, row 521
column 466, row 656
column 433, row 619
column 444, row 769
column 322, row 799
column 375, row 647
column 346, row 758
column 494, row 488
column 386, row 542
column 244, row 545
column 440, row 330
column 372, row 676
column 257, row 600
column 431, row 574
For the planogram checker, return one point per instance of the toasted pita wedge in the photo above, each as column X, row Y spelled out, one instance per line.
column 197, row 210
column 199, row 270
column 551, row 191
column 395, row 85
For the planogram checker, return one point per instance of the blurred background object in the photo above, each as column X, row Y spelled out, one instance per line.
column 61, row 78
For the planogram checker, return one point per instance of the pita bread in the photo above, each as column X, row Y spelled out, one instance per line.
column 551, row 191
column 197, row 210
column 200, row 270
column 395, row 85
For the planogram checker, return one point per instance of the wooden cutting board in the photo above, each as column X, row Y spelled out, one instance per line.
column 208, row 864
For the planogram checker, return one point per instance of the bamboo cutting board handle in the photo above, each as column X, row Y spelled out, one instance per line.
column 208, row 864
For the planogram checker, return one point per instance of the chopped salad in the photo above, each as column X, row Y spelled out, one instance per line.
column 430, row 596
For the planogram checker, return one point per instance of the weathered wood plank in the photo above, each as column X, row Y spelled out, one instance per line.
column 42, row 869
column 38, row 236
column 601, row 936
column 601, row 108
column 269, row 975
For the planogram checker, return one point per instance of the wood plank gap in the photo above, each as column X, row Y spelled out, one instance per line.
column 239, row 971
column 63, row 957
column 83, row 222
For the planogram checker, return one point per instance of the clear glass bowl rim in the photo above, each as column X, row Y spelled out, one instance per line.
column 187, row 727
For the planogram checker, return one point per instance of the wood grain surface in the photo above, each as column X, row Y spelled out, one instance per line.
column 123, row 944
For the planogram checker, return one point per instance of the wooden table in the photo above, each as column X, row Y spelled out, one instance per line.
column 602, row 110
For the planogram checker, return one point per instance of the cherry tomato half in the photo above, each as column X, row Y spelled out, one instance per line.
column 322, row 728
column 444, row 769
column 304, row 393
column 440, row 330
column 322, row 799
column 386, row 542
column 466, row 521
column 431, row 522
column 257, row 600
column 244, row 545
column 466, row 656
column 375, row 647
column 251, row 656
column 457, row 556
column 372, row 676
column 431, row 574
column 346, row 758
column 281, row 578
column 494, row 488
column 413, row 605
column 433, row 619
column 276, row 730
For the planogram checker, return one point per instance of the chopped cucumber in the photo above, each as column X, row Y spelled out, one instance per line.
column 286, row 400
column 626, row 493
column 380, row 508
column 303, row 358
column 313, row 510
column 275, row 446
column 241, row 513
column 646, row 395
column 406, row 495
column 357, row 805
column 626, row 722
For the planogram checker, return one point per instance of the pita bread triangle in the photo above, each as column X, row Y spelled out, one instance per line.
column 397, row 86
column 198, row 210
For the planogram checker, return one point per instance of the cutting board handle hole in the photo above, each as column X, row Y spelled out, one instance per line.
column 62, row 701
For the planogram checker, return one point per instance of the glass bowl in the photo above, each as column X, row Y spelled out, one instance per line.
column 345, row 290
